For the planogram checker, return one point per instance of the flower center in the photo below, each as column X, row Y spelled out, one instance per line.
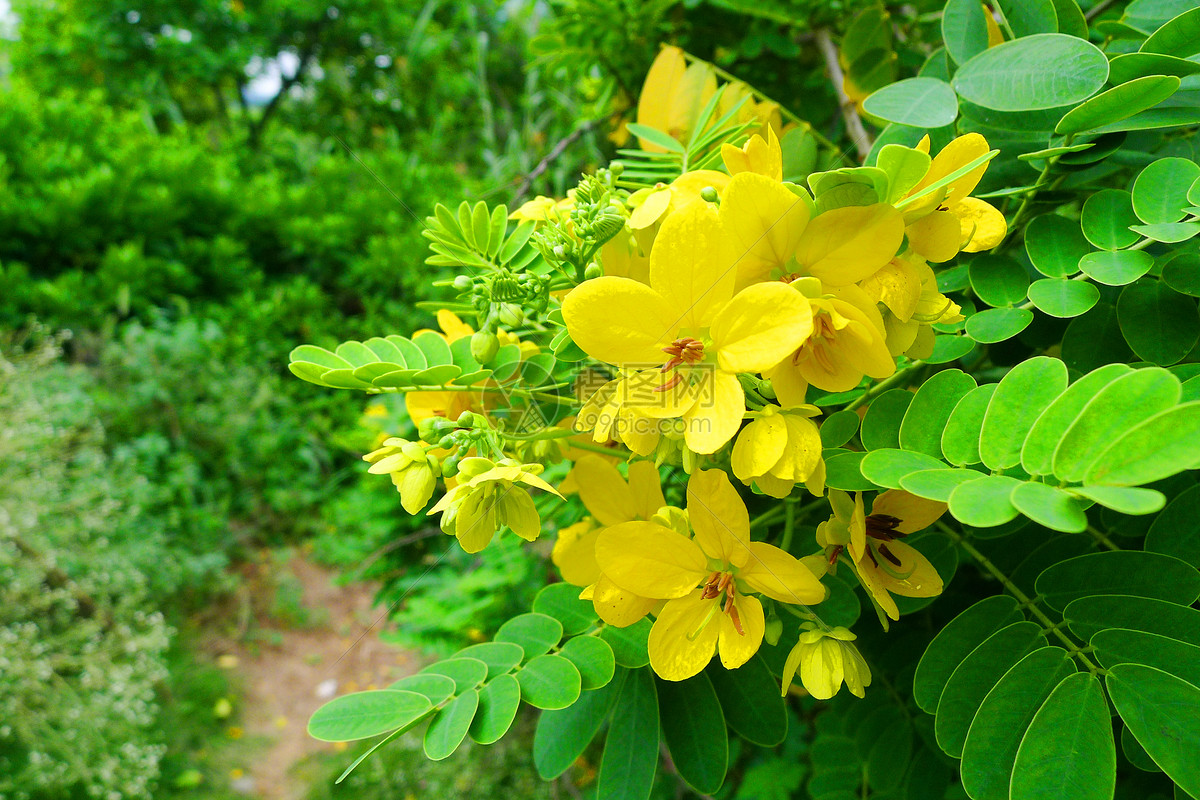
column 720, row 583
column 883, row 526
column 685, row 351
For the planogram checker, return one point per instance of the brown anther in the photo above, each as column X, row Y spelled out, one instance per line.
column 732, row 611
column 835, row 553
column 883, row 526
column 711, row 589
column 671, row 384
column 889, row 555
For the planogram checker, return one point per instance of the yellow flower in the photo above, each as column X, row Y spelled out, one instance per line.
column 883, row 564
column 487, row 497
column 825, row 660
column 766, row 220
column 779, row 448
column 758, row 155
column 690, row 312
column 652, row 206
column 673, row 95
column 908, row 290
column 611, row 412
column 611, row 500
column 542, row 208
column 705, row 580
column 949, row 220
column 452, row 326
column 847, row 343
column 412, row 469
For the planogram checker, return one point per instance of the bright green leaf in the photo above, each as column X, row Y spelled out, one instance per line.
column 362, row 715
column 1046, row 70
column 1028, row 389
column 449, row 727
column 549, row 682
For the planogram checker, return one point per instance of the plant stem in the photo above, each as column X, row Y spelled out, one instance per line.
column 1026, row 602
column 879, row 388
column 854, row 127
column 1101, row 538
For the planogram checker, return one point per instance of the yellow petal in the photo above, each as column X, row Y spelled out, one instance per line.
column 575, row 553
column 765, row 221
column 983, row 226
column 620, row 321
column 789, row 385
column 684, row 637
column 858, row 529
column 686, row 189
column 515, row 509
column 803, row 451
column 655, row 101
column 922, row 581
column 691, row 266
column 762, row 325
column 821, row 669
column 617, row 606
column 995, row 37
column 452, row 326
column 780, row 576
column 650, row 560
column 759, row 446
column 845, row 245
column 475, row 523
column 936, row 236
column 718, row 517
column 738, row 648
column 646, row 487
column 603, row 491
column 759, row 155
column 897, row 285
column 774, row 487
column 953, row 156
column 915, row 513
column 651, row 209
column 717, row 413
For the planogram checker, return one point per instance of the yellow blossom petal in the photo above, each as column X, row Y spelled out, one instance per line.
column 936, row 236
column 953, row 156
column 774, row 487
column 803, row 451
column 650, row 560
column 897, row 285
column 646, row 487
column 717, row 413
column 475, row 523
column 651, row 208
column 915, row 513
column 736, row 648
column 575, row 553
column 515, row 509
column 760, row 327
column 453, row 327
column 789, row 385
column 759, row 446
column 603, row 491
column 983, row 226
column 619, row 607
column 765, row 221
column 684, row 637
column 759, row 155
column 691, row 267
column 780, row 576
column 620, row 321
column 845, row 245
column 719, row 517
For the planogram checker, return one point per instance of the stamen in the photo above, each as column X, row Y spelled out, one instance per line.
column 732, row 611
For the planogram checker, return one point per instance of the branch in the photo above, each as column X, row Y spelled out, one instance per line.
column 549, row 158
column 854, row 126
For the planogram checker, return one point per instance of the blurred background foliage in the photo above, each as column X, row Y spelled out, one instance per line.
column 188, row 189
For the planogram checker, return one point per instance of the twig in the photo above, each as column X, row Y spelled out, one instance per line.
column 854, row 126
column 549, row 158
column 1098, row 9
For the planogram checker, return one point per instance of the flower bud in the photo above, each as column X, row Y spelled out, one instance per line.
column 432, row 428
column 466, row 419
column 774, row 630
column 592, row 271
column 462, row 282
column 484, row 346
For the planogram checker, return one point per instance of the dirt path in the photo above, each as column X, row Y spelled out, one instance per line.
column 292, row 669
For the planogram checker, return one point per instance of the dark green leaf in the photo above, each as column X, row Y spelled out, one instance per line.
column 955, row 642
column 1120, row 572
column 1063, row 299
column 998, row 280
column 1046, row 70
column 561, row 601
column 751, row 701
column 1159, row 710
column 631, row 749
column 843, row 471
column 562, row 736
column 998, row 324
column 694, row 728
column 1055, row 244
column 1088, row 615
column 1094, row 339
column 1180, row 38
column 1118, row 646
column 881, row 424
column 1136, row 65
column 839, row 428
column 919, row 102
column 629, row 644
column 1182, row 273
column 1107, row 215
column 1176, row 531
column 964, row 29
column 1118, row 103
column 1116, row 268
column 1160, row 191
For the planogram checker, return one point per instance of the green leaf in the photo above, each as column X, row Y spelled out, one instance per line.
column 1070, row 18
column 549, row 682
column 750, row 698
column 447, row 730
column 960, row 439
column 535, row 633
column 1123, row 403
column 1159, row 710
column 1046, row 70
column 561, row 601
column 1107, row 215
column 1121, row 572
column 467, row 673
column 1055, row 244
column 1003, row 718
column 434, row 348
column 1162, row 446
column 1118, row 103
column 631, row 749
column 1118, row 646
column 498, row 703
column 1154, row 119
column 1116, row 268
column 694, row 728
column 1127, row 67
column 985, row 502
column 974, row 678
column 1169, row 232
column 998, row 280
column 1037, row 451
column 904, row 166
column 949, row 348
column 1180, row 38
column 1027, row 390
column 312, row 354
column 562, row 736
column 1028, row 17
column 362, row 715
column 885, row 738
column 1124, row 499
column 655, row 136
column 1094, row 339
column 500, row 657
column 1089, row 615
column 1050, row 507
column 1176, row 531
column 593, row 658
column 1068, row 753
column 919, row 102
column 629, row 644
column 838, row 428
column 843, row 470
column 998, row 324
column 1160, row 191
column 438, row 688
column 887, row 467
column 955, row 642
column 1062, row 298
column 1182, row 273
column 930, row 409
column 936, row 484
column 1137, row 754
column 964, row 30
column 881, row 423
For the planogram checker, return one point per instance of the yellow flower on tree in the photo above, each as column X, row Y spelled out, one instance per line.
column 883, row 564
column 690, row 313
column 411, row 468
column 825, row 660
column 490, row 495
column 706, row 580
column 780, row 448
column 611, row 500
column 907, row 288
column 848, row 341
column 759, row 155
column 673, row 95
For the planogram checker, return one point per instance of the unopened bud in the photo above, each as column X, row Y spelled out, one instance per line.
column 774, row 631
column 450, row 466
column 511, row 315
column 484, row 346
column 462, row 283
column 709, row 195
column 559, row 252
column 431, row 428
column 593, row 271
column 446, row 442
